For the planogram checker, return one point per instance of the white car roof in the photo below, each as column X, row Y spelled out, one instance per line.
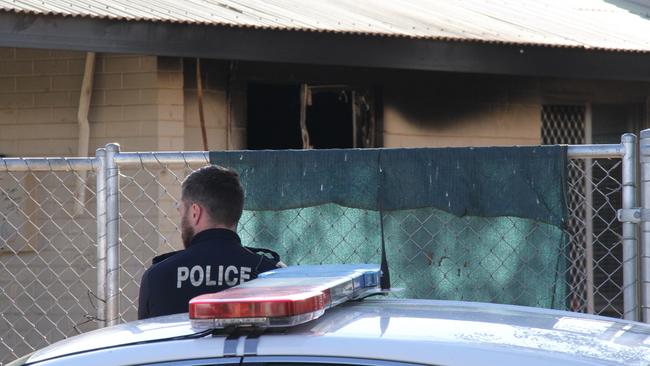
column 415, row 331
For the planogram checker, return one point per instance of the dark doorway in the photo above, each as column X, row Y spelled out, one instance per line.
column 329, row 119
column 273, row 116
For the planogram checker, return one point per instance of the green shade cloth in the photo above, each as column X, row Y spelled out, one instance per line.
column 524, row 182
column 476, row 224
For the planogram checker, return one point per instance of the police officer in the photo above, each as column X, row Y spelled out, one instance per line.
column 212, row 200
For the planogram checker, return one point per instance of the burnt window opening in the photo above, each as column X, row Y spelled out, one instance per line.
column 273, row 114
column 335, row 117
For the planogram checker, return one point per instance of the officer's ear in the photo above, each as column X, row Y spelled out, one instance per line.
column 195, row 213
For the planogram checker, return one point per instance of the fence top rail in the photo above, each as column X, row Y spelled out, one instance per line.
column 595, row 151
column 203, row 157
column 48, row 164
column 162, row 157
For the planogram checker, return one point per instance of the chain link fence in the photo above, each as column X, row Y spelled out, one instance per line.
column 595, row 272
column 149, row 227
column 595, row 237
column 148, row 222
column 48, row 255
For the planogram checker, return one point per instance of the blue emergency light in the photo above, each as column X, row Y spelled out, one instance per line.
column 365, row 277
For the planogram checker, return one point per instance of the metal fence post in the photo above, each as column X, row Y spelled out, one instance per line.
column 112, row 235
column 589, row 216
column 629, row 177
column 100, row 197
column 645, row 225
column 589, row 235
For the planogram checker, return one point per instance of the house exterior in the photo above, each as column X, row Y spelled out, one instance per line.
column 413, row 73
column 145, row 103
column 434, row 80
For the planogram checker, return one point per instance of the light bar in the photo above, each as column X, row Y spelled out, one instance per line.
column 364, row 278
column 285, row 297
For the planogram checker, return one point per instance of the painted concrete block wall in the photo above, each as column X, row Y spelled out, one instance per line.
column 439, row 110
column 39, row 99
column 37, row 92
column 214, row 109
column 215, row 84
column 170, row 103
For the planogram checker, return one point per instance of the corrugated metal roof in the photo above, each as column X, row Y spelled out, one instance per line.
column 621, row 25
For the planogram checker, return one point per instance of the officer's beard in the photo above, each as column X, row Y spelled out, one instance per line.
column 187, row 231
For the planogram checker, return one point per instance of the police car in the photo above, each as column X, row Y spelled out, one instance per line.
column 315, row 316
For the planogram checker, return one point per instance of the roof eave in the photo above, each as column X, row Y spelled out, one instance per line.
column 221, row 42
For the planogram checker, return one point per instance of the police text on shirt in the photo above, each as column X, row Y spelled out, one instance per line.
column 199, row 275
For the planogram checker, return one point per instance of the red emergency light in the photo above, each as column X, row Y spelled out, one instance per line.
column 256, row 303
column 282, row 300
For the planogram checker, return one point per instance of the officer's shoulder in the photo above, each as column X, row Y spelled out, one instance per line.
column 267, row 264
column 264, row 252
column 162, row 257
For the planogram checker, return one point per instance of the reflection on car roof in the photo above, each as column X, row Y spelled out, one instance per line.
column 419, row 331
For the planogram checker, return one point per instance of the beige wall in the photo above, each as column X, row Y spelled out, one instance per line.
column 438, row 109
column 214, row 82
column 594, row 91
column 137, row 101
column 38, row 92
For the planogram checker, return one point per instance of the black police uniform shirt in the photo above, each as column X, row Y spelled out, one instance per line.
column 214, row 261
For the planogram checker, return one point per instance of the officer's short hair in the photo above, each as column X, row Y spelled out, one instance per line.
column 218, row 190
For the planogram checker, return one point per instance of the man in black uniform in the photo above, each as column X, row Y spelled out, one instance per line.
column 214, row 259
